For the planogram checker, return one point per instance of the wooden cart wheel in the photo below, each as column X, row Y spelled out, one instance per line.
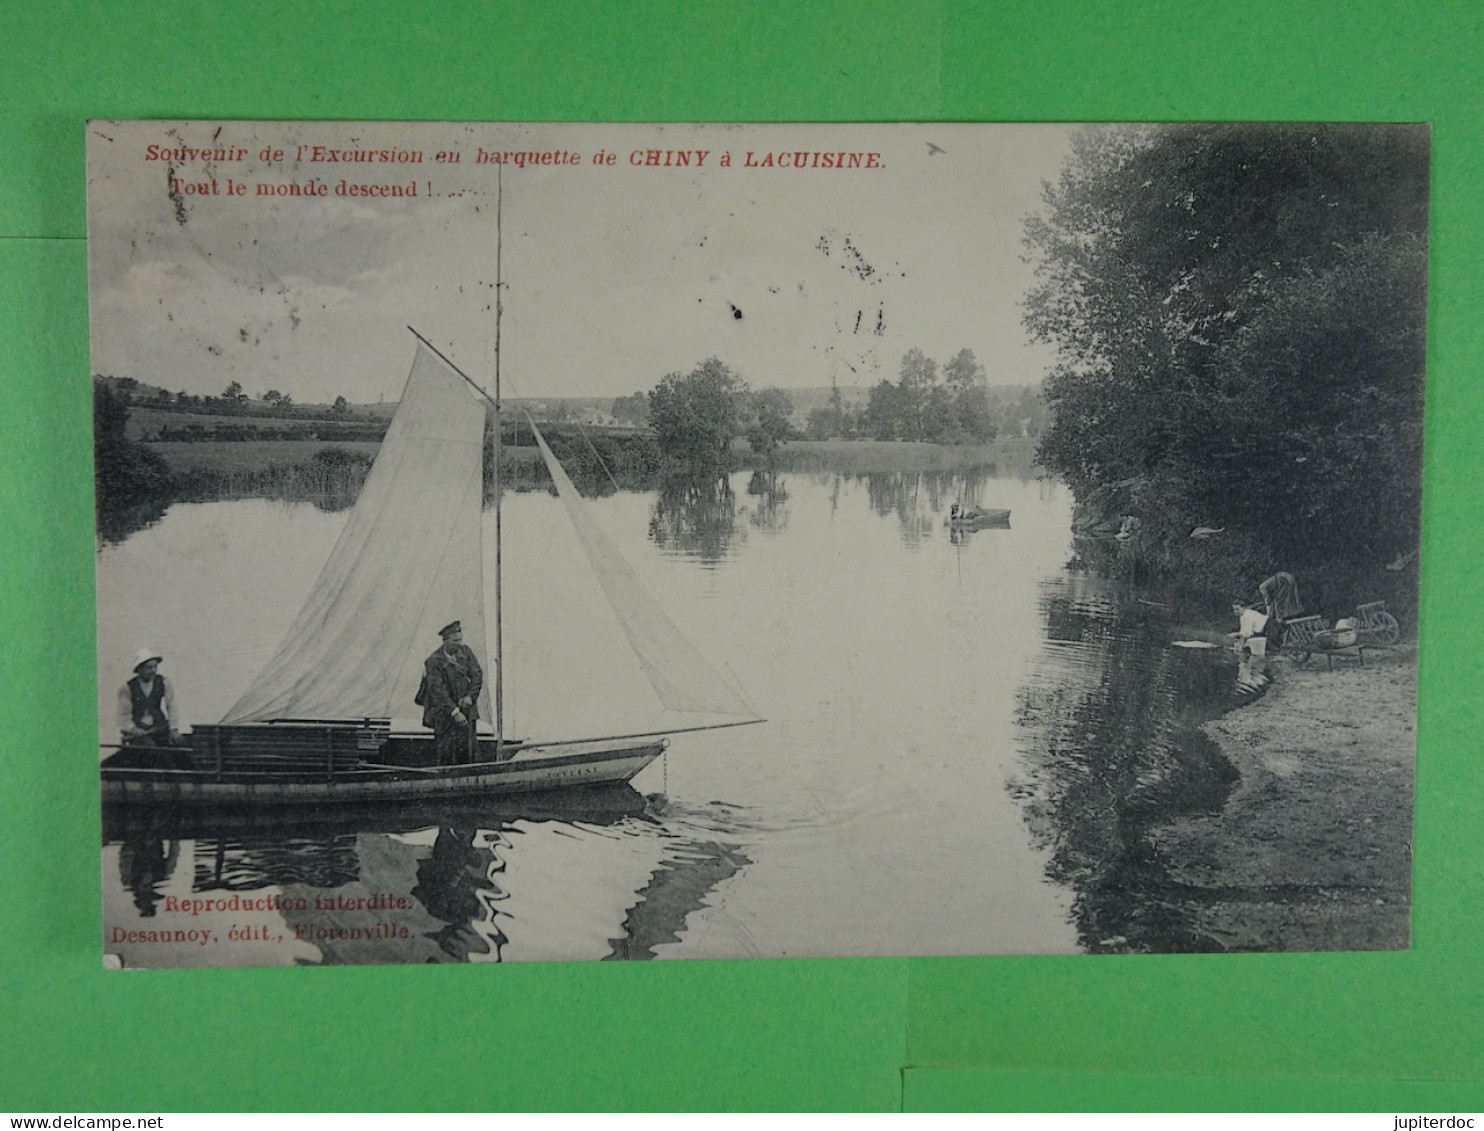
column 1387, row 630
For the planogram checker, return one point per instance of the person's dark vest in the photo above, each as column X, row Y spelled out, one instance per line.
column 148, row 706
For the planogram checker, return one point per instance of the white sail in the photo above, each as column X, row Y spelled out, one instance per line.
column 681, row 676
column 409, row 561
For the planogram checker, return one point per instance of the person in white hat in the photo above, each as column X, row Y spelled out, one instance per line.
column 146, row 704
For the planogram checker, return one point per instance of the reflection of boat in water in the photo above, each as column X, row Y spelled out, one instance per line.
column 320, row 724
column 973, row 518
column 596, row 805
column 602, row 873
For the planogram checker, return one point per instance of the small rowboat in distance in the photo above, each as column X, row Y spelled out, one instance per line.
column 975, row 519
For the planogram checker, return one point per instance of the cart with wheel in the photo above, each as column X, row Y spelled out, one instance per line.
column 1371, row 627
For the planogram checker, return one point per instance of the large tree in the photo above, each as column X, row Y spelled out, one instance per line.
column 920, row 406
column 695, row 416
column 632, row 409
column 772, row 415
column 885, row 412
column 1238, row 313
column 918, row 376
column 963, row 371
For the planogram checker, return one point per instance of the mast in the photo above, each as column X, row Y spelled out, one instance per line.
column 499, row 309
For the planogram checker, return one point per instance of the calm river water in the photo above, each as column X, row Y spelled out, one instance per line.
column 965, row 741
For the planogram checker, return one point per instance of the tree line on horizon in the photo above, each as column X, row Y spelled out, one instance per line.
column 947, row 407
column 232, row 401
column 696, row 416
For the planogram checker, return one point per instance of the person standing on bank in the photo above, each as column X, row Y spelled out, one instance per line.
column 449, row 696
column 146, row 704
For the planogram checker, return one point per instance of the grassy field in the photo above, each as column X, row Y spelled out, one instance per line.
column 248, row 456
column 146, row 421
column 890, row 455
column 253, row 456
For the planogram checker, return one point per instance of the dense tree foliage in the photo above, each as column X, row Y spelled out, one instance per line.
column 631, row 409
column 950, row 407
column 126, row 474
column 1239, row 315
column 771, row 415
column 695, row 416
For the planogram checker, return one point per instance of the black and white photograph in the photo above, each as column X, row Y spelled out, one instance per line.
column 555, row 542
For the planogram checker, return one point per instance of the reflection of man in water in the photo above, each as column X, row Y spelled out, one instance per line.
column 146, row 705
column 145, row 865
column 449, row 696
column 448, row 881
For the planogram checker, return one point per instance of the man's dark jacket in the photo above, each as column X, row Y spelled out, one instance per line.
column 446, row 681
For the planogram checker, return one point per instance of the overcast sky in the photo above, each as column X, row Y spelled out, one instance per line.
column 614, row 275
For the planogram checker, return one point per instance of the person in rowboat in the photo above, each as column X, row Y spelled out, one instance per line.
column 449, row 696
column 959, row 513
column 146, row 704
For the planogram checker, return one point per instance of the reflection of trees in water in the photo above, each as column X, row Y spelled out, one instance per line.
column 899, row 494
column 695, row 515
column 965, row 488
column 920, row 499
column 116, row 523
column 1111, row 752
column 770, row 494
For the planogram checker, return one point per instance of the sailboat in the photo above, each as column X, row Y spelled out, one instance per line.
column 325, row 720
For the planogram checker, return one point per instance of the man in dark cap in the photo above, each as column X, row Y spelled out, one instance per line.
column 449, row 696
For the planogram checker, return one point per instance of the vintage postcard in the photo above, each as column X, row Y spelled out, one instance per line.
column 560, row 542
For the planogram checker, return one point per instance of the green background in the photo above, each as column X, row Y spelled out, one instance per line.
column 1322, row 1032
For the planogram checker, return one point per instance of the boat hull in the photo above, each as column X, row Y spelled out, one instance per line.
column 981, row 520
column 532, row 769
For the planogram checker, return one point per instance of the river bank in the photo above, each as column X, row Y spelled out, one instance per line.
column 1312, row 849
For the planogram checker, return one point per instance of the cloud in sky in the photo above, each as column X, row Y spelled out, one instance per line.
column 614, row 276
